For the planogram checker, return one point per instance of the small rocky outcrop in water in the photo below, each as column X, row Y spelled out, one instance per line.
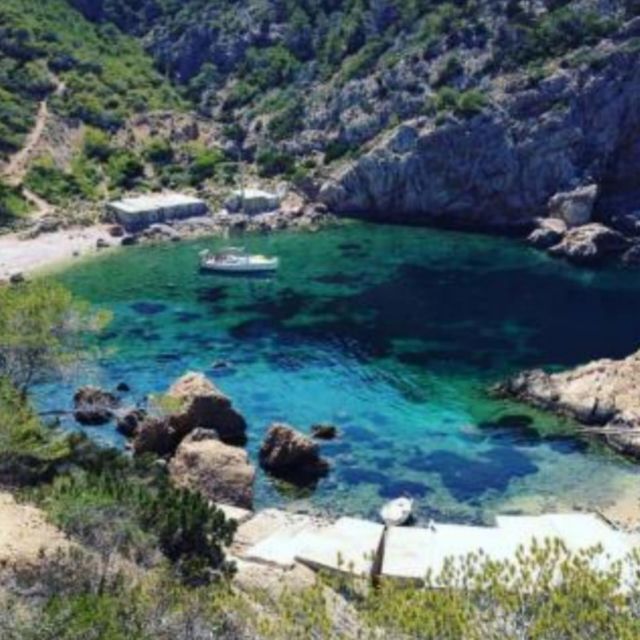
column 590, row 244
column 604, row 394
column 324, row 431
column 94, row 406
column 220, row 472
column 289, row 454
column 202, row 404
column 193, row 402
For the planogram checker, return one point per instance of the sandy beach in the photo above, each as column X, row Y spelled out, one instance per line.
column 28, row 255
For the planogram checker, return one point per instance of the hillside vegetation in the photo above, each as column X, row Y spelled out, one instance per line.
column 293, row 88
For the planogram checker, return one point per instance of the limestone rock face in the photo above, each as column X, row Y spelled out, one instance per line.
column 590, row 244
column 202, row 404
column 519, row 159
column 94, row 406
column 605, row 393
column 289, row 454
column 220, row 472
column 574, row 207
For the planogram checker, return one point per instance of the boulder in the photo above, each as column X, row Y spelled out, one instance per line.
column 116, row 231
column 590, row 244
column 604, row 394
column 101, row 243
column 202, row 404
column 127, row 424
column 155, row 435
column 129, row 241
column 548, row 232
column 94, row 406
column 574, row 207
column 289, row 454
column 220, row 472
column 324, row 431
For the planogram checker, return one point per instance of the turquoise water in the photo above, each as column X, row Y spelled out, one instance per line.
column 391, row 333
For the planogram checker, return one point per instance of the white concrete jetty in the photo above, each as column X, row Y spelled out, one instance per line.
column 414, row 553
column 139, row 212
column 364, row 548
column 349, row 546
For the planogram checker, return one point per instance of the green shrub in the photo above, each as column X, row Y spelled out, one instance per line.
column 12, row 203
column 41, row 327
column 159, row 151
column 124, row 169
column 49, row 182
column 204, row 163
column 118, row 510
column 335, row 150
column 97, row 145
column 471, row 103
column 286, row 122
column 28, row 449
column 465, row 103
column 273, row 162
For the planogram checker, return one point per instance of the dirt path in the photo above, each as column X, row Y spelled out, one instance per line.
column 16, row 168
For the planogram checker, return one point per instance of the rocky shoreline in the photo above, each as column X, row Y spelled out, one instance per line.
column 603, row 396
column 49, row 241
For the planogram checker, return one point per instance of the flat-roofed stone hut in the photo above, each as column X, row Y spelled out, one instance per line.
column 140, row 212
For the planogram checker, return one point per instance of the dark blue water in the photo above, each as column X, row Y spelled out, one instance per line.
column 393, row 334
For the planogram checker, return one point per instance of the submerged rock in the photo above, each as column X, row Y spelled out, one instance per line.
column 604, row 393
column 220, row 472
column 324, row 431
column 291, row 455
column 94, row 406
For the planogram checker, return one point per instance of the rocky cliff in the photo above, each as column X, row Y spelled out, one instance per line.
column 578, row 127
column 604, row 395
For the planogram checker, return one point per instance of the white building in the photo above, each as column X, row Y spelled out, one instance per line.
column 139, row 212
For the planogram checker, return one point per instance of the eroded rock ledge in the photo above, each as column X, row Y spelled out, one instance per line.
column 604, row 394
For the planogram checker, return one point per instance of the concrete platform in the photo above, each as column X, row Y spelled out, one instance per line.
column 348, row 546
column 407, row 552
column 413, row 553
column 263, row 525
column 282, row 547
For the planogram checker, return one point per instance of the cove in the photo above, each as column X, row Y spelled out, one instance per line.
column 391, row 333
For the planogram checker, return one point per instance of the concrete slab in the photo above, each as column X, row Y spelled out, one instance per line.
column 348, row 546
column 261, row 526
column 407, row 552
column 282, row 547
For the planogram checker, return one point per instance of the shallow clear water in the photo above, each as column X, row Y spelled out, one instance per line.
column 391, row 333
